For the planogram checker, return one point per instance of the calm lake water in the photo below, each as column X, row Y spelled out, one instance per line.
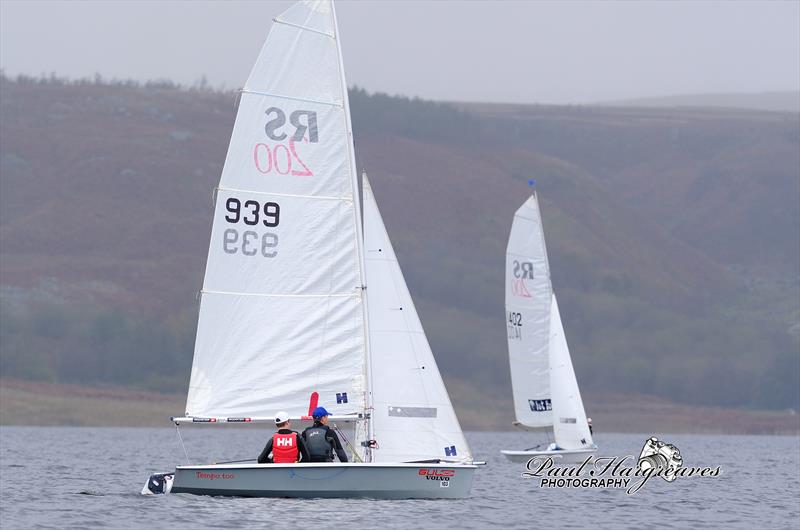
column 91, row 478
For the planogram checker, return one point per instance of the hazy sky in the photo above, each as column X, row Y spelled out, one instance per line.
column 514, row 51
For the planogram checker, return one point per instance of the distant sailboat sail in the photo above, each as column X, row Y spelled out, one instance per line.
column 528, row 294
column 546, row 394
column 413, row 417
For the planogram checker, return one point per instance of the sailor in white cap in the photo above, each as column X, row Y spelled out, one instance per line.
column 285, row 446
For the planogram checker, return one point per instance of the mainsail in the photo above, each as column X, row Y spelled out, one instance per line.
column 570, row 427
column 528, row 300
column 413, row 418
column 282, row 311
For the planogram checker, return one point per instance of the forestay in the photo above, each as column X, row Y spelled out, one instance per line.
column 528, row 300
column 570, row 427
column 413, row 418
column 282, row 313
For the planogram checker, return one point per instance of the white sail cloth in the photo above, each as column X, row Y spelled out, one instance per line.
column 281, row 313
column 413, row 418
column 528, row 301
column 570, row 428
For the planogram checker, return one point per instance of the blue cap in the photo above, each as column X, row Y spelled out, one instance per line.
column 320, row 412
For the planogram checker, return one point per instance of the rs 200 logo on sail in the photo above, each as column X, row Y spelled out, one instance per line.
column 280, row 155
column 521, row 271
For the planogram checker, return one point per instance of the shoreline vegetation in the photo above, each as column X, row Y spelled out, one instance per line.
column 33, row 403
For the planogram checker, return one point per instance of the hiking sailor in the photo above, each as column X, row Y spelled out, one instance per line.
column 321, row 440
column 286, row 446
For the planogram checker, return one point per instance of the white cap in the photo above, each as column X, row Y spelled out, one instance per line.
column 589, row 421
column 281, row 417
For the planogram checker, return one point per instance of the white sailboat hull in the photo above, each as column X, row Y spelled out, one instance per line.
column 342, row 480
column 559, row 456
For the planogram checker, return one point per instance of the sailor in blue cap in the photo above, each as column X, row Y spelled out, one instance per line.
column 321, row 440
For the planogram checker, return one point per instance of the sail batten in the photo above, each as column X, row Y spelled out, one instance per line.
column 305, row 28
column 278, row 295
column 284, row 96
column 276, row 194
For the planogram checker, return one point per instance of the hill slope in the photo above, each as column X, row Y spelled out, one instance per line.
column 672, row 234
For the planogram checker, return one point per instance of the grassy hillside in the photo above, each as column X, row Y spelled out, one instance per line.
column 780, row 101
column 37, row 403
column 673, row 235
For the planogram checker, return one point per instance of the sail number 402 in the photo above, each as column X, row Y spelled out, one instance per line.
column 251, row 213
column 514, row 325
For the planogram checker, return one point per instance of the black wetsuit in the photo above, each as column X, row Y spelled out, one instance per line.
column 321, row 441
column 266, row 458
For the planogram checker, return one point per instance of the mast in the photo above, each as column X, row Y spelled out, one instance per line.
column 359, row 239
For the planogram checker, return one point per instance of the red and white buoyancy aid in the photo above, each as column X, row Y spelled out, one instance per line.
column 284, row 448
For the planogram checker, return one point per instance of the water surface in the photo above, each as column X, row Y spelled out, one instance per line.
column 54, row 477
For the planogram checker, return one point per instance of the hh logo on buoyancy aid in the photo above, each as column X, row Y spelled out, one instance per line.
column 284, row 448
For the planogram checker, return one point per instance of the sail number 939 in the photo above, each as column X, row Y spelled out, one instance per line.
column 250, row 212
column 250, row 242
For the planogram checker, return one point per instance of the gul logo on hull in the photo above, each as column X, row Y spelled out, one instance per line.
column 437, row 474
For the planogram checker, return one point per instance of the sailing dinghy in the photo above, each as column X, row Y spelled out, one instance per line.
column 546, row 394
column 285, row 322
